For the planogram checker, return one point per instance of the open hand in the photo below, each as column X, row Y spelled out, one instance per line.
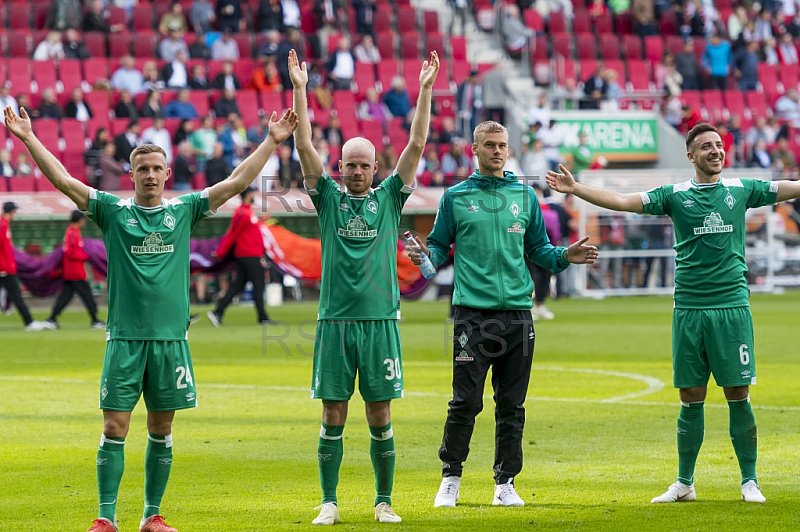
column 580, row 253
column 429, row 71
column 20, row 126
column 561, row 182
column 283, row 128
column 297, row 71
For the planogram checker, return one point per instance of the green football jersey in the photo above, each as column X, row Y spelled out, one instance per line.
column 148, row 263
column 359, row 250
column 709, row 221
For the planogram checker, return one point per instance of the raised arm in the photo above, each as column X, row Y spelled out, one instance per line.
column 248, row 170
column 787, row 190
column 409, row 159
column 50, row 166
column 608, row 199
column 309, row 158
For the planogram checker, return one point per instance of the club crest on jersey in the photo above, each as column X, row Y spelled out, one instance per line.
column 357, row 228
column 153, row 244
column 514, row 210
column 169, row 221
column 372, row 207
column 516, row 228
column 713, row 224
column 730, row 201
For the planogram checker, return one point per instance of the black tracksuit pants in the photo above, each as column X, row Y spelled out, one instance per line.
column 83, row 290
column 11, row 284
column 502, row 340
column 247, row 269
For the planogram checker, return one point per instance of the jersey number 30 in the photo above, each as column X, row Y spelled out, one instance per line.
column 392, row 369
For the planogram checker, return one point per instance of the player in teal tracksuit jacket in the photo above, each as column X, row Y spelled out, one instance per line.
column 495, row 222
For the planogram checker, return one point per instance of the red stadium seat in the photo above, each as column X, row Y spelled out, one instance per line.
column 734, row 102
column 757, row 104
column 412, row 83
column 19, row 74
column 458, row 48
column 3, row 185
column 44, row 74
column 116, row 16
column 712, row 101
column 243, row 68
column 410, row 46
column 143, row 17
column 245, row 43
column 382, row 21
column 397, row 134
column 668, row 25
column 200, row 101
column 98, row 101
column 94, row 69
column 556, row 23
column 692, row 99
column 460, row 70
column 609, row 46
column 639, row 74
column 385, row 44
column 20, row 44
column 618, row 66
column 373, row 131
column 540, row 48
column 44, row 185
column 40, row 10
column 69, row 72
column 22, row 184
column 789, row 77
column 587, row 46
column 73, row 135
column 144, row 44
column 119, row 44
column 624, row 23
column 632, row 45
column 19, row 16
column 674, row 44
column 387, row 69
column 768, row 75
column 364, row 77
column 581, row 23
column 431, row 22
column 406, row 20
column 562, row 45
column 435, row 41
column 270, row 101
column 95, row 43
column 604, row 23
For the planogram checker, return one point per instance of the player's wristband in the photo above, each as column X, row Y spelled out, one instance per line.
column 564, row 258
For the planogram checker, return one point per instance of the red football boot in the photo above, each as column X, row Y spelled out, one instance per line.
column 155, row 524
column 102, row 525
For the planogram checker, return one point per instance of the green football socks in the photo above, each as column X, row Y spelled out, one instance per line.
column 110, row 465
column 157, row 465
column 329, row 454
column 744, row 437
column 381, row 451
column 691, row 428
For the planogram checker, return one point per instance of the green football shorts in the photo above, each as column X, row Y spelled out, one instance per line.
column 161, row 370
column 718, row 341
column 369, row 347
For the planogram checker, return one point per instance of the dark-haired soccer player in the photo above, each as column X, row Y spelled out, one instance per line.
column 712, row 328
column 147, row 351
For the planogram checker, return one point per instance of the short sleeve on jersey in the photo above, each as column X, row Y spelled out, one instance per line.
column 762, row 192
column 325, row 184
column 398, row 191
column 655, row 201
column 197, row 203
column 99, row 205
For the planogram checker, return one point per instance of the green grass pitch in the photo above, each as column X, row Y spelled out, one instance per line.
column 599, row 439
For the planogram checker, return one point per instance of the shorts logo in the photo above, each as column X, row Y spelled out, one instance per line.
column 190, row 396
column 530, row 334
column 357, row 228
column 516, row 228
column 463, row 356
column 514, row 209
column 713, row 224
column 730, row 201
column 104, row 392
column 153, row 244
column 397, row 386
column 169, row 221
column 372, row 207
column 746, row 374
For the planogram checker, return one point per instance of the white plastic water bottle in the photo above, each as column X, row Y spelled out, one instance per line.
column 427, row 269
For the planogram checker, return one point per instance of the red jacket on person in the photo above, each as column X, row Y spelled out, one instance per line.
column 244, row 235
column 8, row 265
column 74, row 255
